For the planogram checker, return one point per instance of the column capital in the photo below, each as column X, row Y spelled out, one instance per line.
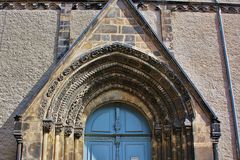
column 78, row 131
column 58, row 128
column 215, row 131
column 47, row 125
column 68, row 130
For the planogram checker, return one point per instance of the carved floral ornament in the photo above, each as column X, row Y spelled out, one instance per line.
column 174, row 6
column 115, row 67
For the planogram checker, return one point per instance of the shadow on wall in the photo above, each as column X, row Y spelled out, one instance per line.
column 8, row 144
column 7, row 140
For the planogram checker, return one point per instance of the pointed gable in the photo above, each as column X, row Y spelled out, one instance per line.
column 120, row 22
column 117, row 24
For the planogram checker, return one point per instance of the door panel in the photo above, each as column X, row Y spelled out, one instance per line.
column 117, row 132
column 98, row 150
column 132, row 122
column 101, row 122
column 135, row 150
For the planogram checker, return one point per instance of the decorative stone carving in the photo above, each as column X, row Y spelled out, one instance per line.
column 174, row 6
column 204, row 7
column 78, row 131
column 17, row 128
column 158, row 131
column 29, row 6
column 215, row 131
column 167, row 129
column 79, row 89
column 89, row 5
column 68, row 130
column 47, row 125
column 58, row 128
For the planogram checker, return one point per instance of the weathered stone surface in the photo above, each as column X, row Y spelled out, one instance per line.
column 113, row 13
column 129, row 38
column 27, row 50
column 96, row 37
column 232, row 34
column 107, row 29
column 118, row 38
column 34, row 150
column 27, row 41
column 80, row 19
column 196, row 47
column 132, row 30
column 111, row 30
column 105, row 37
column 153, row 17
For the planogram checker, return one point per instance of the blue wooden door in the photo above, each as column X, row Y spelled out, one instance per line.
column 117, row 132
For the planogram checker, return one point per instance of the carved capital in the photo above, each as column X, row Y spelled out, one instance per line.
column 18, row 129
column 68, row 130
column 158, row 130
column 58, row 128
column 167, row 129
column 47, row 125
column 18, row 137
column 78, row 132
column 215, row 131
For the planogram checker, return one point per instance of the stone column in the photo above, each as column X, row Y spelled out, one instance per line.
column 215, row 135
column 78, row 146
column 178, row 136
column 58, row 147
column 189, row 139
column 167, row 130
column 158, row 134
column 18, row 135
column 68, row 144
column 47, row 127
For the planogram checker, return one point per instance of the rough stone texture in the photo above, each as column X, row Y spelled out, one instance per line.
column 27, row 46
column 222, row 1
column 119, row 24
column 79, row 21
column 232, row 35
column 201, row 131
column 230, row 1
column 196, row 45
column 153, row 17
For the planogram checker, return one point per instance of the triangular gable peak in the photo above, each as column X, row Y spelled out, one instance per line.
column 117, row 23
column 120, row 22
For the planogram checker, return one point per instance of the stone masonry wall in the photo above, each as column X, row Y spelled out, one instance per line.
column 118, row 25
column 196, row 46
column 27, row 50
column 27, row 46
column 80, row 19
column 232, row 34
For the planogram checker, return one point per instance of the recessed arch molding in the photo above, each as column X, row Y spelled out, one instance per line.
column 118, row 67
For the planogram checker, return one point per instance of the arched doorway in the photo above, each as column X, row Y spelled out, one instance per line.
column 117, row 132
column 115, row 73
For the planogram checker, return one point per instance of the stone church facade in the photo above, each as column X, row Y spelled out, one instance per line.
column 141, row 79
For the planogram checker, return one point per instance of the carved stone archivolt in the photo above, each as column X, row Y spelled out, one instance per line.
column 118, row 67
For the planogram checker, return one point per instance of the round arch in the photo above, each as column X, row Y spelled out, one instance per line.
column 164, row 99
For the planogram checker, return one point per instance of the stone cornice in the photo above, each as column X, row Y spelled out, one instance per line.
column 177, row 6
